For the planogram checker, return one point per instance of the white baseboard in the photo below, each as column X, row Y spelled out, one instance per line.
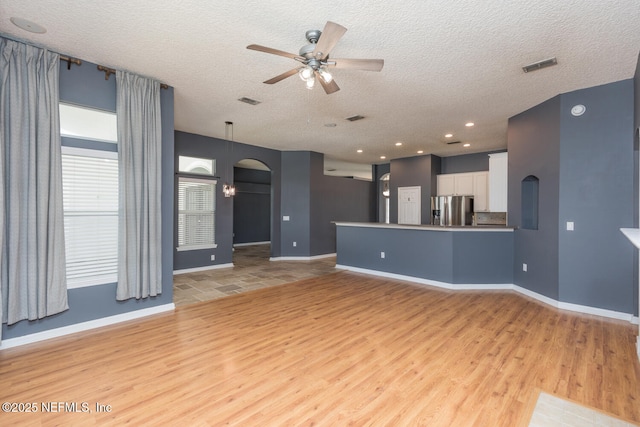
column 238, row 245
column 84, row 326
column 301, row 258
column 205, row 268
column 504, row 286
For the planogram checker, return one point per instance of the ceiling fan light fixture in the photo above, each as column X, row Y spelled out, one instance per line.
column 310, row 83
column 326, row 76
column 306, row 73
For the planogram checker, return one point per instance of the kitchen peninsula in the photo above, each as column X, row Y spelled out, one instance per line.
column 453, row 257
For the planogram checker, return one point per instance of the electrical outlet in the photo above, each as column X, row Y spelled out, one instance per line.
column 286, row 218
column 213, row 257
column 382, row 255
column 524, row 267
column 295, row 244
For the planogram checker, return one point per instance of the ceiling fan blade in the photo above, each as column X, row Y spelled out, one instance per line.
column 282, row 76
column 357, row 64
column 272, row 51
column 330, row 36
column 330, row 87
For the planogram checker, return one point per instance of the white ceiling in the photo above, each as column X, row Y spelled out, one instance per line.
column 446, row 63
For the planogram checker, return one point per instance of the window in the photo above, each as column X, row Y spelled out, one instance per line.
column 90, row 195
column 196, row 203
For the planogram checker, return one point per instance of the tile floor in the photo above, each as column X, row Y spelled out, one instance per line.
column 252, row 270
column 551, row 411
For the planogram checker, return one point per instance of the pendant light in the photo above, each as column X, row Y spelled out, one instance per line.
column 229, row 190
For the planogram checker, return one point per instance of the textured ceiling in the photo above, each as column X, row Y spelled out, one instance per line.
column 446, row 63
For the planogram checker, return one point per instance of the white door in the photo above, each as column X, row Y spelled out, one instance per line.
column 409, row 211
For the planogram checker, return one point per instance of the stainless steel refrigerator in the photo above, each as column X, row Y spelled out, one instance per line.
column 452, row 210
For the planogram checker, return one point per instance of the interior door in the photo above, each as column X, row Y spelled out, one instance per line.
column 409, row 210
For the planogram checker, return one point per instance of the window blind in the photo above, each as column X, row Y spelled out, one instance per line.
column 196, row 213
column 90, row 196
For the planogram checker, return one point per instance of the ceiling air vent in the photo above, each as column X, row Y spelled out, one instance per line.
column 453, row 142
column 355, row 118
column 249, row 101
column 540, row 65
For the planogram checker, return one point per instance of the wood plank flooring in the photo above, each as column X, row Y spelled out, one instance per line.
column 336, row 350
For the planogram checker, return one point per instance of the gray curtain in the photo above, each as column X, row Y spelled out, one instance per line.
column 139, row 156
column 32, row 268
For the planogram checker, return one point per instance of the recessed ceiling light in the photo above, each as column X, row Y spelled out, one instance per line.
column 27, row 25
column 449, row 135
column 466, row 145
column 469, row 124
column 359, row 151
column 420, row 151
column 383, row 157
column 398, row 144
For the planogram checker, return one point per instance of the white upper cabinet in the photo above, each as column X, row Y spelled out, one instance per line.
column 481, row 191
column 498, row 174
column 466, row 184
column 446, row 185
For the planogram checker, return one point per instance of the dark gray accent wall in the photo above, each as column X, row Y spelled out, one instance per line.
column 338, row 199
column 453, row 257
column 226, row 153
column 414, row 171
column 251, row 206
column 597, row 194
column 313, row 200
column 475, row 162
column 533, row 142
column 585, row 166
column 296, row 203
column 85, row 85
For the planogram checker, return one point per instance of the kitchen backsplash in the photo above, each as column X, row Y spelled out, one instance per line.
column 490, row 218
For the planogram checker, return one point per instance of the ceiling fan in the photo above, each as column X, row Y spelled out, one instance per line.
column 315, row 61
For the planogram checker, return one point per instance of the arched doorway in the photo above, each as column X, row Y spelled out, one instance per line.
column 252, row 209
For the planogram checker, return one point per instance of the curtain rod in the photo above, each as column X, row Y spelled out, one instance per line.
column 108, row 71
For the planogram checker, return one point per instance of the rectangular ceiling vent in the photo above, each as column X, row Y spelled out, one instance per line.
column 249, row 101
column 540, row 65
column 355, row 118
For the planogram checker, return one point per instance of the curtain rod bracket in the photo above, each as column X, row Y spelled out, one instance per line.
column 107, row 71
column 70, row 61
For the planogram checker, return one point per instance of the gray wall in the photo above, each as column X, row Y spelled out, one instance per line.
column 414, row 171
column 475, row 162
column 586, row 170
column 462, row 257
column 85, row 85
column 596, row 192
column 312, row 201
column 296, row 202
column 533, row 140
column 226, row 153
column 338, row 199
column 251, row 206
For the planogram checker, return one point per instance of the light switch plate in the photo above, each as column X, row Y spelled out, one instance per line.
column 569, row 225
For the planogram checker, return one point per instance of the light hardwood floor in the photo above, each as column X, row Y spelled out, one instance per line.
column 336, row 350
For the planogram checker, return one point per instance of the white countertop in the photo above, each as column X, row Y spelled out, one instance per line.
column 465, row 228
